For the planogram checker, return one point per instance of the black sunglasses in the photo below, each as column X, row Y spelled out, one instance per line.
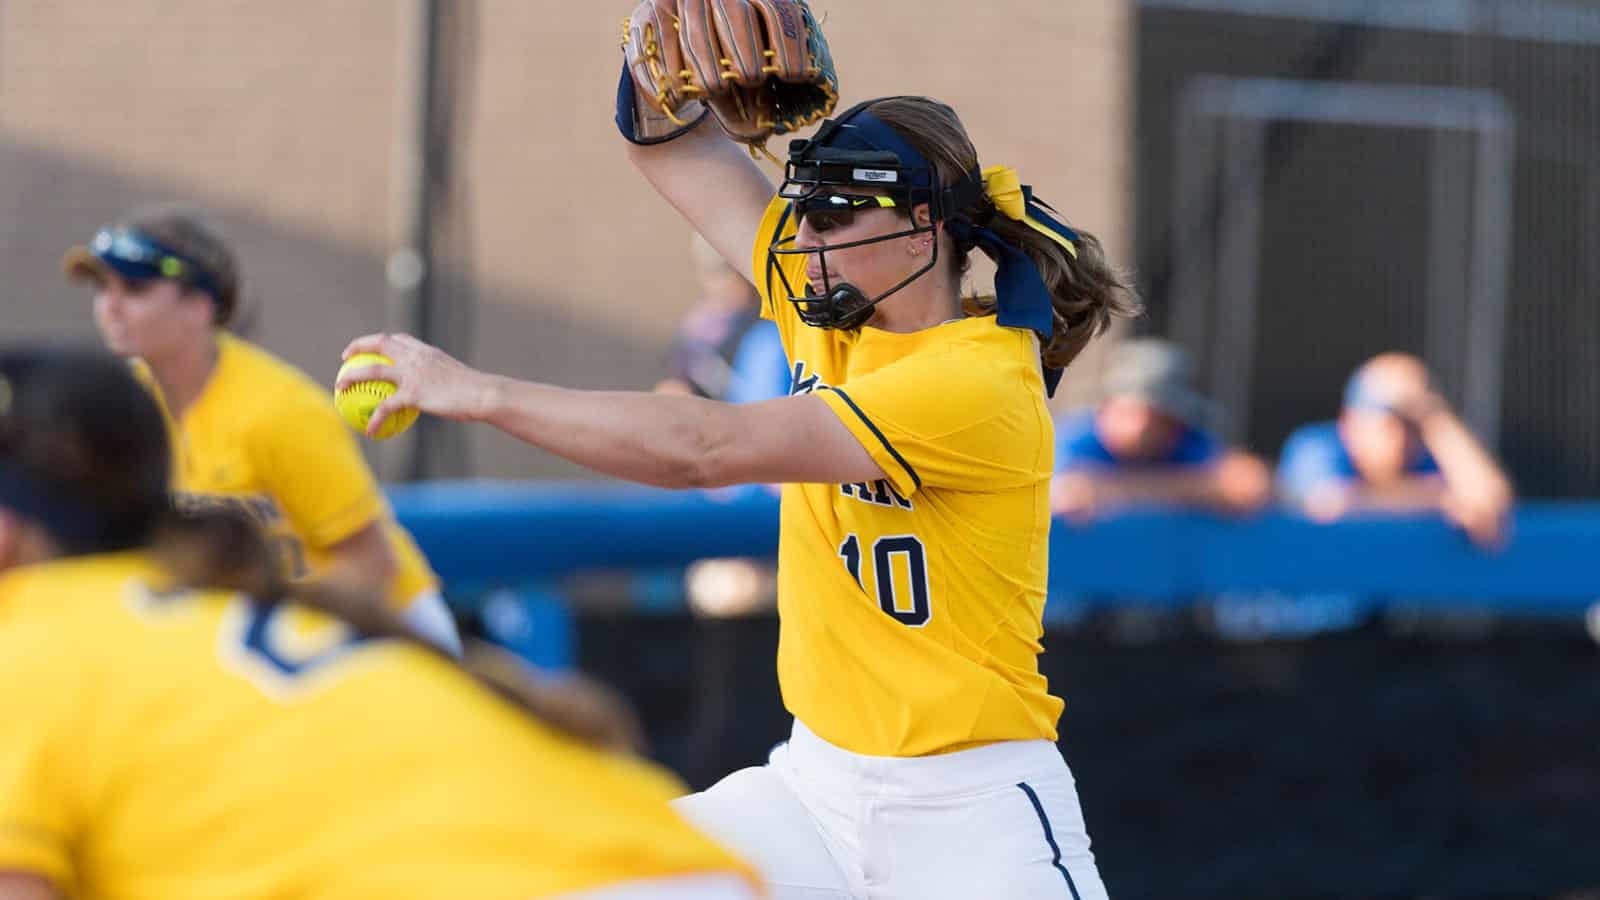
column 827, row 210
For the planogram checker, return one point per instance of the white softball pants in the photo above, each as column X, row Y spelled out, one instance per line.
column 999, row 822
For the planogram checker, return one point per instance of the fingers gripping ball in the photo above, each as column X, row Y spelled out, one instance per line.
column 358, row 401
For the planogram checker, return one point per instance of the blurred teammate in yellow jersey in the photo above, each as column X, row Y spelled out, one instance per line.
column 250, row 432
column 161, row 743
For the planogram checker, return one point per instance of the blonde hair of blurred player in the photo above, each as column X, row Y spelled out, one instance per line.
column 83, row 482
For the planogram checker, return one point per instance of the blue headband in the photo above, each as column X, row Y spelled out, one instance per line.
column 865, row 132
column 1021, row 298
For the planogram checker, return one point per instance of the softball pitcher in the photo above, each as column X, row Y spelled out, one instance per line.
column 916, row 453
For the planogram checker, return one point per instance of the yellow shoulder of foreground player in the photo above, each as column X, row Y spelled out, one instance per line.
column 201, row 745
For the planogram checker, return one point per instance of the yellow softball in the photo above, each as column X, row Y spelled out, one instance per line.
column 358, row 401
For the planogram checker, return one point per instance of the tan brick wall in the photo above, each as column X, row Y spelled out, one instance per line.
column 281, row 117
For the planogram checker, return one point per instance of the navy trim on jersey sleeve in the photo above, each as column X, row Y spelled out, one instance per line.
column 915, row 478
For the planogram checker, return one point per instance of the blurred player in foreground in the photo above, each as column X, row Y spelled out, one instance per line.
column 915, row 451
column 249, row 432
column 167, row 743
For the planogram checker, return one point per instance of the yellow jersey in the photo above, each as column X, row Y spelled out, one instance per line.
column 264, row 439
column 911, row 608
column 168, row 746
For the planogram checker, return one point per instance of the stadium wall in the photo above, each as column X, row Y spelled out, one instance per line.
column 281, row 118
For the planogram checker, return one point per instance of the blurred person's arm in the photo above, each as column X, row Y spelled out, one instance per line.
column 1236, row 484
column 1477, row 494
column 1079, row 461
column 25, row 886
column 1311, row 479
column 364, row 561
column 1337, row 498
column 714, row 184
column 311, row 465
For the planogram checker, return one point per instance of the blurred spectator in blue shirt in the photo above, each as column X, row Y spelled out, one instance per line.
column 1148, row 444
column 760, row 368
column 734, row 587
column 702, row 360
column 1396, row 446
column 725, row 351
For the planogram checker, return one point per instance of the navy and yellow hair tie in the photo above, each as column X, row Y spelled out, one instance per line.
column 1014, row 200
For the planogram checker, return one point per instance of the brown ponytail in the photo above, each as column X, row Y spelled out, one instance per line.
column 223, row 549
column 1086, row 291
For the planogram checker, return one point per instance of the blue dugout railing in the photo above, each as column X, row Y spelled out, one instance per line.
column 483, row 532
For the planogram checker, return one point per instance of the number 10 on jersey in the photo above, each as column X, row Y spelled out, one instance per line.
column 906, row 602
